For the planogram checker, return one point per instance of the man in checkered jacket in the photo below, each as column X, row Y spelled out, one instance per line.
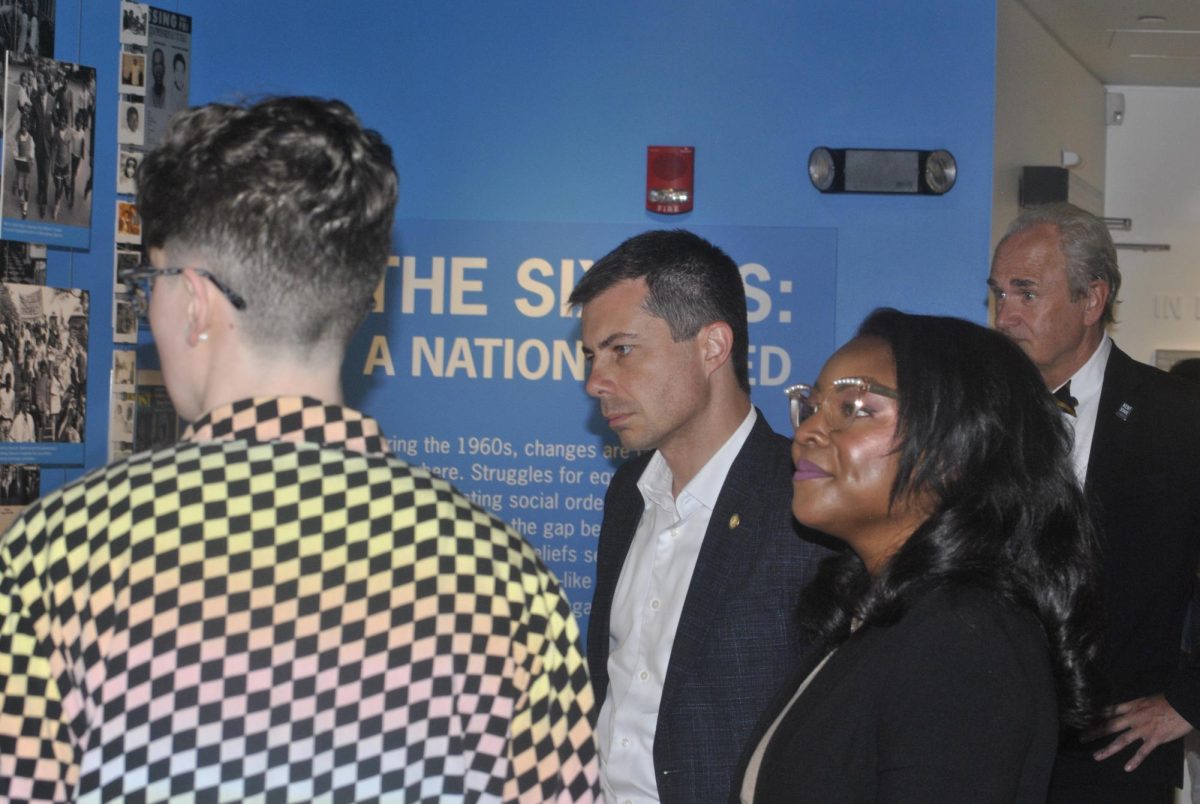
column 275, row 609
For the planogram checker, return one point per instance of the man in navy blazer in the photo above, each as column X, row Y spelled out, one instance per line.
column 700, row 562
column 1055, row 280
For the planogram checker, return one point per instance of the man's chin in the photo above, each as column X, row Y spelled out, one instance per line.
column 632, row 442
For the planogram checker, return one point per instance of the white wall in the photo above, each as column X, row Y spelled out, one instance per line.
column 1154, row 178
column 1046, row 102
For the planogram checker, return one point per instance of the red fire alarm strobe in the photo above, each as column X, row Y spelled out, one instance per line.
column 670, row 178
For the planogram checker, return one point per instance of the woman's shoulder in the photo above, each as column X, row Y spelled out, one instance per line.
column 973, row 624
column 950, row 603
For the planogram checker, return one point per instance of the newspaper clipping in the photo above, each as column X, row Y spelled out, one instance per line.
column 169, row 56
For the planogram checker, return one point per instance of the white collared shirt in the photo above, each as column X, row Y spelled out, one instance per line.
column 1086, row 385
column 646, row 608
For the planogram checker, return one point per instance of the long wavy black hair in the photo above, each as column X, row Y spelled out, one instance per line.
column 978, row 430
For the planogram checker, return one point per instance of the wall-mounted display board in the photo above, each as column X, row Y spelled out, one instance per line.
column 473, row 366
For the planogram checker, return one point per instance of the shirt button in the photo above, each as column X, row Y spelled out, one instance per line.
column 624, row 742
column 655, row 603
column 643, row 675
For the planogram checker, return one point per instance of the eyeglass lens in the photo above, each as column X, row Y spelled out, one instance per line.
column 839, row 405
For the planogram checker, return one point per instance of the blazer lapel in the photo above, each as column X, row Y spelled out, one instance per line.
column 1118, row 408
column 623, row 510
column 729, row 542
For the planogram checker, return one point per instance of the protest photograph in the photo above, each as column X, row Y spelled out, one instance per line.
column 26, row 27
column 43, row 363
column 48, row 120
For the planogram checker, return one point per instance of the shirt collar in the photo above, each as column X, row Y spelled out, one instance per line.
column 656, row 481
column 297, row 419
column 1089, row 379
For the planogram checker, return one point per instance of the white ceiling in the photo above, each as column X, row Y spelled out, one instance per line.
column 1108, row 38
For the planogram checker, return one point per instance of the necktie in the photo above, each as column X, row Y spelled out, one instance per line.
column 1064, row 400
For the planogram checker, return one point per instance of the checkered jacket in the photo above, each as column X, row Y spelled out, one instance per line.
column 276, row 610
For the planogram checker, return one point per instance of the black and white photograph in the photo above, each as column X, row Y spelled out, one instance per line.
column 43, row 363
column 124, row 371
column 125, row 321
column 131, row 122
column 133, row 22
column 22, row 263
column 47, row 151
column 133, row 72
column 168, row 57
column 128, row 257
column 120, row 428
column 27, row 27
column 127, row 165
column 19, row 485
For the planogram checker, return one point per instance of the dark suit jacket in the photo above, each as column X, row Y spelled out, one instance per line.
column 953, row 702
column 738, row 639
column 1143, row 482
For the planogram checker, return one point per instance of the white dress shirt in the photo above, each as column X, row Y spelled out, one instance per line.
column 646, row 608
column 1086, row 385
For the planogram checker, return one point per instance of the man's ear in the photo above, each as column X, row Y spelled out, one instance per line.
column 199, row 307
column 1095, row 301
column 716, row 341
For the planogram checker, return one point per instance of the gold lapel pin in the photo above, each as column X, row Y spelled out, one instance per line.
column 734, row 521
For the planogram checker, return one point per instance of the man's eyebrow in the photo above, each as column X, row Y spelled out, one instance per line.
column 1017, row 283
column 616, row 336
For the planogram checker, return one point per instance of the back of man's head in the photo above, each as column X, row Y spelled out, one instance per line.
column 290, row 201
column 691, row 283
column 1086, row 245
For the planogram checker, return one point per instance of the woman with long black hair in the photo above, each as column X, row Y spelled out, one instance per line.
column 961, row 624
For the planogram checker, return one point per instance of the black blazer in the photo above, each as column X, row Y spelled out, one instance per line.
column 1143, row 482
column 953, row 702
column 738, row 639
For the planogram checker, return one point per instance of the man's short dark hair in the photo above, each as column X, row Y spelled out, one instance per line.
column 291, row 203
column 691, row 283
column 179, row 59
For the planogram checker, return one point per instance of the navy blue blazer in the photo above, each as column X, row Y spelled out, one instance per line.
column 738, row 638
column 1143, row 483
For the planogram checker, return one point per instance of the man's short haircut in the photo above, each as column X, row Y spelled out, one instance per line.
column 179, row 59
column 691, row 283
column 290, row 201
column 1086, row 244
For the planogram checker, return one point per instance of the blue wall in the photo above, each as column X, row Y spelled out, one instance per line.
column 541, row 111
